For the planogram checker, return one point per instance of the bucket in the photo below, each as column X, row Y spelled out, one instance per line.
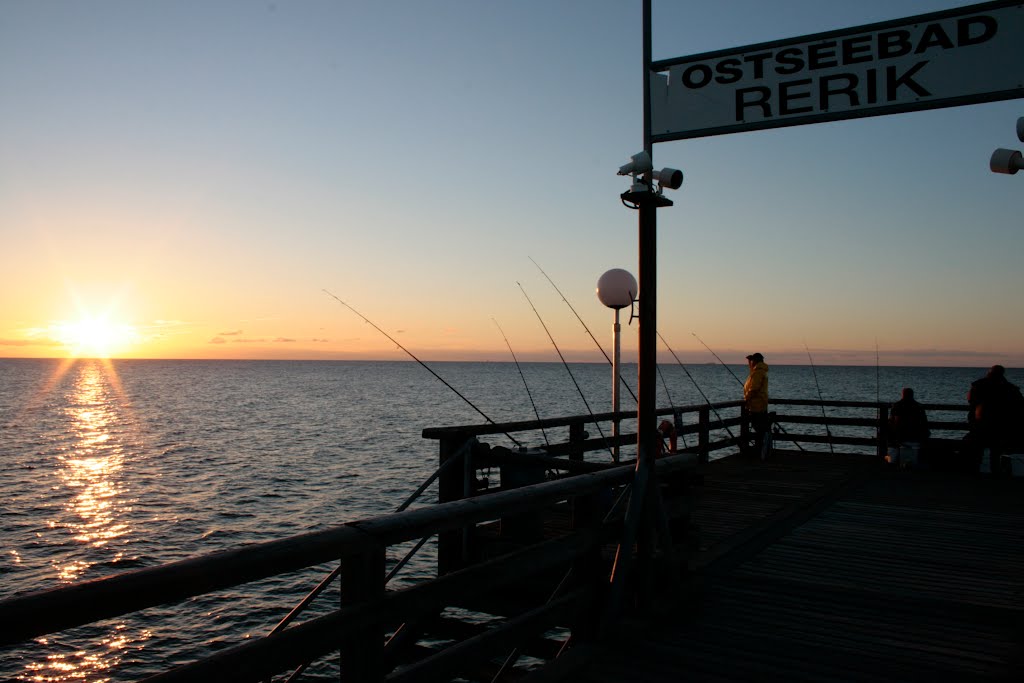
column 892, row 456
column 908, row 454
column 1016, row 464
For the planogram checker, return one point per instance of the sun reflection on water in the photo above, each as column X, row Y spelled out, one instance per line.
column 83, row 665
column 95, row 512
column 92, row 467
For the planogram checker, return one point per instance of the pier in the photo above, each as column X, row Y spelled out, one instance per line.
column 820, row 562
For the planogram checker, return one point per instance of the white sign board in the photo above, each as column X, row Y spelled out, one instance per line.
column 962, row 56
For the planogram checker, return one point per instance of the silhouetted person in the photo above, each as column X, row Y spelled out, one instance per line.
column 995, row 414
column 755, row 398
column 908, row 422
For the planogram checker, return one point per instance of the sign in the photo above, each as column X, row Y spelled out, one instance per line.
column 961, row 56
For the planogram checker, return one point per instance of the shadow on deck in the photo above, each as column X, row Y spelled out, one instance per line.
column 811, row 570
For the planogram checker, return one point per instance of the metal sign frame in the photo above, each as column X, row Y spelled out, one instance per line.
column 1008, row 85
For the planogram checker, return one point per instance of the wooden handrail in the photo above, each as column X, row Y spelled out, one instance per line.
column 34, row 614
column 530, row 425
column 706, row 424
column 320, row 636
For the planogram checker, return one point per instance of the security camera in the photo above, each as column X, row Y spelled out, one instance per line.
column 1020, row 129
column 1006, row 160
column 671, row 178
column 640, row 163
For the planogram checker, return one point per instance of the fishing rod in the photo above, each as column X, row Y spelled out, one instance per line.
column 520, row 369
column 703, row 395
column 820, row 400
column 781, row 428
column 428, row 369
column 599, row 347
column 567, row 369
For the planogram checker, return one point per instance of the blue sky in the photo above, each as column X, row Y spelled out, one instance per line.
column 202, row 170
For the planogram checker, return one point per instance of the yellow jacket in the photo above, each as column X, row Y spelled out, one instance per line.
column 755, row 390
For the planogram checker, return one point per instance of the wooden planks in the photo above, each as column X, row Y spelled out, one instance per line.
column 819, row 571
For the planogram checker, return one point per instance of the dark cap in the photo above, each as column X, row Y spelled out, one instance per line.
column 755, row 357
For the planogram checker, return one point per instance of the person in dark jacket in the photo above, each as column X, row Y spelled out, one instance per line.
column 995, row 414
column 908, row 421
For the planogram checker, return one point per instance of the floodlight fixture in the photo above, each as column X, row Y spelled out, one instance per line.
column 1008, row 161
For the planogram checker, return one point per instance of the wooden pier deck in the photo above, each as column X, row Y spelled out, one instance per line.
column 820, row 567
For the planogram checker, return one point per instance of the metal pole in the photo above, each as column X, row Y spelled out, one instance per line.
column 648, row 267
column 616, row 330
column 639, row 519
column 647, row 434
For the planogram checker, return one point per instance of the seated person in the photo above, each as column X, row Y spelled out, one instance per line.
column 908, row 422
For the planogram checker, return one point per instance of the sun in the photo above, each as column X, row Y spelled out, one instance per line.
column 95, row 337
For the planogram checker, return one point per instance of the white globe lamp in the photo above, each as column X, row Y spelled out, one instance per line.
column 616, row 289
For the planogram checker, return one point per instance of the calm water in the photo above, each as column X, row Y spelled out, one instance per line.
column 112, row 466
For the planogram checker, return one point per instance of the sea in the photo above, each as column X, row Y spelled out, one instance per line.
column 107, row 466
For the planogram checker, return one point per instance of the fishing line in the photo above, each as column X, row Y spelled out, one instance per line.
column 781, row 428
column 821, row 400
column 428, row 369
column 520, row 369
column 703, row 395
column 599, row 347
column 567, row 369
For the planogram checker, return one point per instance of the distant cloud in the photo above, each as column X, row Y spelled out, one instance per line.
column 933, row 353
column 29, row 342
column 230, row 334
column 219, row 339
column 318, row 341
column 936, row 357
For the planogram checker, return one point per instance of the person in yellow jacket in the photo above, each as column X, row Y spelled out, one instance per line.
column 755, row 397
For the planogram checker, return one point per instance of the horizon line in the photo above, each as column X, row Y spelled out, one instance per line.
column 410, row 360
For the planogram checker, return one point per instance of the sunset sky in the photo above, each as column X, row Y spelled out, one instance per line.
column 184, row 180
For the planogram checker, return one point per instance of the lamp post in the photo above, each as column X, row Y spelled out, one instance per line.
column 616, row 289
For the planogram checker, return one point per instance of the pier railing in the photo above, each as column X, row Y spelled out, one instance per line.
column 496, row 556
column 376, row 632
column 710, row 429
